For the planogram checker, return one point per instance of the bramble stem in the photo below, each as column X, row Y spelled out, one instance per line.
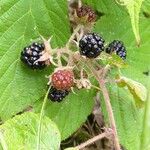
column 77, row 29
column 92, row 140
column 110, row 113
column 40, row 120
column 107, row 103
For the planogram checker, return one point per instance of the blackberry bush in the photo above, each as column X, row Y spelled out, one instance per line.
column 76, row 71
column 91, row 45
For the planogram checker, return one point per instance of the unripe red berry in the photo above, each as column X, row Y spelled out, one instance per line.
column 63, row 79
column 86, row 12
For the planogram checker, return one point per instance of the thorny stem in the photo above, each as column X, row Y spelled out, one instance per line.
column 92, row 140
column 40, row 120
column 105, row 70
column 59, row 59
column 61, row 51
column 110, row 113
column 77, row 29
column 108, row 104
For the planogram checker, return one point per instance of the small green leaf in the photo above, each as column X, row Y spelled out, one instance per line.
column 115, row 60
column 20, row 132
column 137, row 89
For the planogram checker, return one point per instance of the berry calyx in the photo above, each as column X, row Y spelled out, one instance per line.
column 117, row 47
column 62, row 79
column 86, row 14
column 91, row 45
column 57, row 95
column 31, row 54
column 83, row 83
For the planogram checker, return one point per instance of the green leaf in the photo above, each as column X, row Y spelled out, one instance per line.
column 105, row 6
column 121, row 30
column 128, row 117
column 20, row 132
column 71, row 112
column 115, row 60
column 137, row 89
column 146, row 8
column 145, row 137
column 133, row 7
column 41, row 120
column 22, row 22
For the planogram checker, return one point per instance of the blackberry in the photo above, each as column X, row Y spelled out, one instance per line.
column 57, row 95
column 31, row 54
column 91, row 45
column 86, row 11
column 117, row 47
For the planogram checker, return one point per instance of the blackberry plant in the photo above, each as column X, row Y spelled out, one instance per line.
column 80, row 68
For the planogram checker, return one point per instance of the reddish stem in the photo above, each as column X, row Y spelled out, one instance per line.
column 107, row 103
column 92, row 140
column 110, row 112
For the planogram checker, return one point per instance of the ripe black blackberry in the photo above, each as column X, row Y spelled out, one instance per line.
column 91, row 45
column 31, row 54
column 117, row 47
column 57, row 95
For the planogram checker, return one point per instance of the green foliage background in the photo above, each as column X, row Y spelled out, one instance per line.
column 23, row 21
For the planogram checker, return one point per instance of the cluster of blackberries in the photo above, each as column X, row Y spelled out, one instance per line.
column 91, row 45
column 62, row 80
